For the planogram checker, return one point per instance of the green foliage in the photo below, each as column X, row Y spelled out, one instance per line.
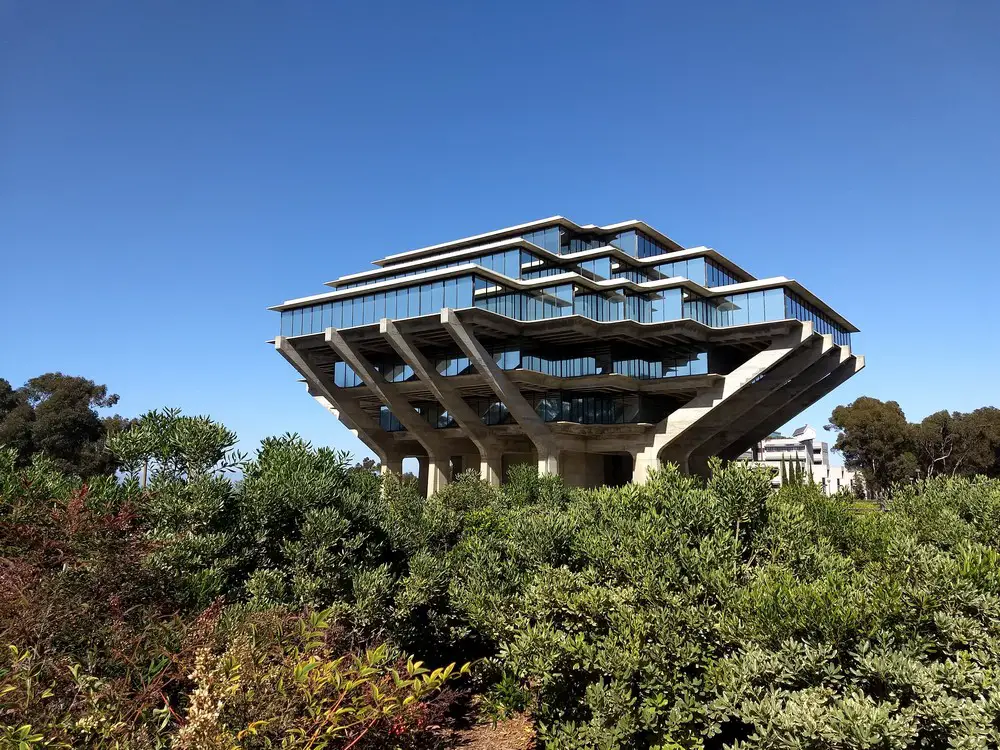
column 56, row 415
column 213, row 600
column 282, row 683
column 877, row 441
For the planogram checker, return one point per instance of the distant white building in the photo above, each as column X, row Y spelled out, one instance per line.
column 802, row 448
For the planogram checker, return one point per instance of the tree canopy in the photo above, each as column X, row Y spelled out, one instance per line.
column 877, row 440
column 56, row 415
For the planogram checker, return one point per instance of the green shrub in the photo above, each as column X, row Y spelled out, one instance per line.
column 181, row 607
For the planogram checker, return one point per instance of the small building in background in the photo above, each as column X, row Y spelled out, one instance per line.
column 803, row 449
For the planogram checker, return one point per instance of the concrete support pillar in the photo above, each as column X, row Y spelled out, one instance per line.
column 392, row 464
column 676, row 437
column 449, row 397
column 390, row 395
column 433, row 474
column 339, row 401
column 807, row 393
column 508, row 393
column 548, row 461
column 491, row 466
column 642, row 464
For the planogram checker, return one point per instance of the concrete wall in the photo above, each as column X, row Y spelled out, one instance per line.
column 582, row 469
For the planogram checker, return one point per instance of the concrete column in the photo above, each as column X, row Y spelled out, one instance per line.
column 433, row 474
column 675, row 437
column 337, row 400
column 422, row 484
column 534, row 426
column 393, row 464
column 806, row 397
column 436, row 447
column 491, row 466
column 548, row 462
column 740, row 434
column 450, row 398
column 642, row 464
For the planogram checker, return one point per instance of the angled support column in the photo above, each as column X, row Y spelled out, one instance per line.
column 437, row 450
column 737, row 434
column 508, row 393
column 343, row 405
column 797, row 404
column 775, row 380
column 447, row 395
column 676, row 436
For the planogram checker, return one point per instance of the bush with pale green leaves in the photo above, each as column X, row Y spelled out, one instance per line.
column 177, row 606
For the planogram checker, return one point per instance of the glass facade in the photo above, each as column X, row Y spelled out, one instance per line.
column 569, row 292
column 552, row 406
column 798, row 308
column 408, row 302
column 557, row 301
column 737, row 309
column 624, row 304
column 508, row 262
column 549, row 239
column 537, row 304
column 671, row 364
column 638, row 245
column 704, row 271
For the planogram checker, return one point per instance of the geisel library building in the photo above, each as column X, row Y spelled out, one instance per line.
column 594, row 352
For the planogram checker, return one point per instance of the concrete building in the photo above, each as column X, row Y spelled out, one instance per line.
column 803, row 449
column 598, row 352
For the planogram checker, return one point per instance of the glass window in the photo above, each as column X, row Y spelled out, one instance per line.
column 390, row 304
column 412, row 302
column 774, row 304
column 739, row 315
column 755, row 301
column 437, row 296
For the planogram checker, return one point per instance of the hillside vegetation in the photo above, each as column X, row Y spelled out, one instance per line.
column 310, row 604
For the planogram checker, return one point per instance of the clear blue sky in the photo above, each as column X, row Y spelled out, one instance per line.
column 170, row 169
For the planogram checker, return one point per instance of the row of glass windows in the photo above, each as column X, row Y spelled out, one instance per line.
column 562, row 241
column 599, row 408
column 798, row 308
column 408, row 302
column 508, row 262
column 521, row 264
column 550, row 238
column 551, row 407
column 538, row 304
column 761, row 306
column 554, row 406
column 704, row 271
column 695, row 363
column 622, row 304
column 737, row 309
column 638, row 245
column 554, row 302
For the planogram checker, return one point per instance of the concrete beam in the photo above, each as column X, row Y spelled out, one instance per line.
column 437, row 448
column 669, row 439
column 737, row 431
column 774, row 381
column 796, row 405
column 343, row 405
column 490, row 450
column 509, row 394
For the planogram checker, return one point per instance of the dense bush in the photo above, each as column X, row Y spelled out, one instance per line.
column 180, row 607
